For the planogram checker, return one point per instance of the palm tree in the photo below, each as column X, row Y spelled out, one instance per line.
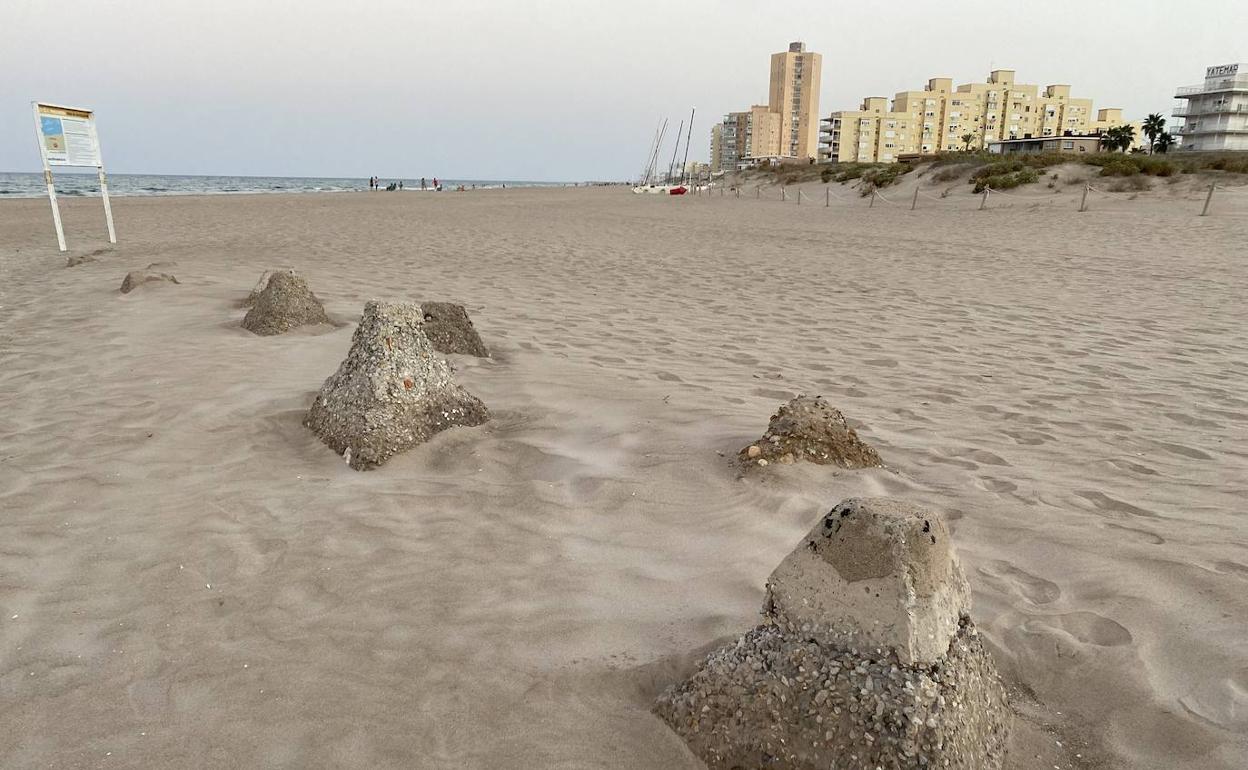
column 967, row 138
column 1163, row 142
column 1118, row 138
column 1154, row 126
column 1126, row 133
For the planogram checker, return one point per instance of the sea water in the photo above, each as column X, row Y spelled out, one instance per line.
column 24, row 185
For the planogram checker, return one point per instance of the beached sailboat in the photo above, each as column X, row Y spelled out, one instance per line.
column 649, row 183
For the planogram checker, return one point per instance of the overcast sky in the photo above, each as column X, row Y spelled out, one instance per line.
column 539, row 89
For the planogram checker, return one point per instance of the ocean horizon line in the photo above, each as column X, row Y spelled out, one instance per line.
column 26, row 184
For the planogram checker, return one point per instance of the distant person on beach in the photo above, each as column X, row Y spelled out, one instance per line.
column 370, row 183
column 423, row 185
column 436, row 186
column 400, row 184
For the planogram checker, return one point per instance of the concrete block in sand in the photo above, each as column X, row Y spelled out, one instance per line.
column 449, row 328
column 391, row 393
column 260, row 284
column 809, row 428
column 136, row 278
column 866, row 659
column 874, row 572
column 285, row 302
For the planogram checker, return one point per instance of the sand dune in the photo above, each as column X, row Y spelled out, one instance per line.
column 189, row 577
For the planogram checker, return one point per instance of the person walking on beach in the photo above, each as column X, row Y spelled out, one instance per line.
column 436, row 186
column 400, row 184
column 423, row 186
column 370, row 183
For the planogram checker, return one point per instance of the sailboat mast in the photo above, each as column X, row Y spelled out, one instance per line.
column 654, row 158
column 675, row 149
column 649, row 152
column 685, row 167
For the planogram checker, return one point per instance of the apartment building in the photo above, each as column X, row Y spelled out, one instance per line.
column 786, row 127
column 942, row 118
column 794, row 96
column 1215, row 113
column 717, row 147
column 755, row 133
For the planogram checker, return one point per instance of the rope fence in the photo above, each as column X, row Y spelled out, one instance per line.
column 1089, row 198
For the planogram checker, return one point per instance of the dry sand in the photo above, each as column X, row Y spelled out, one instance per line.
column 188, row 577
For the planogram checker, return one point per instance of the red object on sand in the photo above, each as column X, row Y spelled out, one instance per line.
column 678, row 191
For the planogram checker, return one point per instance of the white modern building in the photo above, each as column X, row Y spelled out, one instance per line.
column 1215, row 113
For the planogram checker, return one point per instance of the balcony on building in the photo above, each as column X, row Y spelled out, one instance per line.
column 1191, row 110
column 1236, row 84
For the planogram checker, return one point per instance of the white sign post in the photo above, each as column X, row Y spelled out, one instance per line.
column 67, row 137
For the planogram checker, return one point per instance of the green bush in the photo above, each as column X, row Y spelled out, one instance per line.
column 883, row 176
column 1154, row 166
column 1007, row 180
column 1233, row 164
column 1124, row 166
column 1129, row 165
column 853, row 171
column 826, row 175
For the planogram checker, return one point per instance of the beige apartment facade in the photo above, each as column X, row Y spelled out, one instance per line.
column 794, row 95
column 744, row 136
column 786, row 127
column 717, row 146
column 942, row 118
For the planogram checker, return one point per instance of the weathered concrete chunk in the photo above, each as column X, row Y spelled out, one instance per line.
column 285, row 303
column 867, row 659
column 776, row 700
column 391, row 393
column 808, row 428
column 874, row 572
column 136, row 278
column 449, row 328
column 263, row 282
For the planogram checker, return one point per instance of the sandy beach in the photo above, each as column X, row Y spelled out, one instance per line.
column 189, row 577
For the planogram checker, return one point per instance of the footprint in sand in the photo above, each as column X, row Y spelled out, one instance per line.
column 1195, row 422
column 667, row 377
column 974, row 456
column 1028, row 437
column 1232, row 568
column 1146, row 535
column 1085, row 627
column 1134, row 467
column 998, row 486
column 775, row 395
column 1010, row 579
column 1103, row 502
column 1183, row 451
